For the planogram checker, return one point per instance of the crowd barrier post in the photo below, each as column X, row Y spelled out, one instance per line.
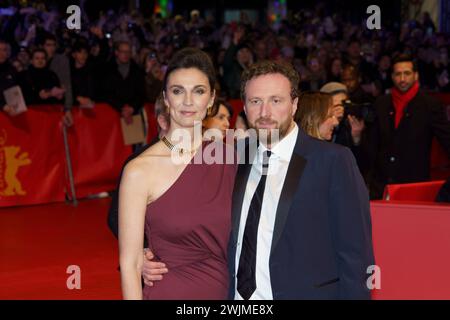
column 69, row 166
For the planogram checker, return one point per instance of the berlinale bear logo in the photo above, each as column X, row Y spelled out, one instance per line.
column 10, row 161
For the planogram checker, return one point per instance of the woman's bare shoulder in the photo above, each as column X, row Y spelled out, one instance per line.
column 147, row 162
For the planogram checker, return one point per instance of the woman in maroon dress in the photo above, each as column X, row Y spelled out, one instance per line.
column 184, row 207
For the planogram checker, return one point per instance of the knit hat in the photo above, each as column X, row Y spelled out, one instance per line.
column 334, row 88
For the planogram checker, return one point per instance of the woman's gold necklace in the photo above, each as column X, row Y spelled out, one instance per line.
column 181, row 151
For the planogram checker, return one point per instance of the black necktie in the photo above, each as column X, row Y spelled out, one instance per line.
column 246, row 276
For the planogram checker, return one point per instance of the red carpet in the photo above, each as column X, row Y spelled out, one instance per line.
column 38, row 243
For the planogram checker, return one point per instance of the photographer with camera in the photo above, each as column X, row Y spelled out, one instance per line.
column 347, row 113
column 406, row 122
column 352, row 118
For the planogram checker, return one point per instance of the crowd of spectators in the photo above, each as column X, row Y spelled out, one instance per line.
column 121, row 58
column 123, row 48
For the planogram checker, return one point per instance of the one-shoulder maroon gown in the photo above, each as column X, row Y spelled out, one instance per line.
column 188, row 229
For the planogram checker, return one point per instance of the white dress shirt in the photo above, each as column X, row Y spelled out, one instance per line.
column 278, row 166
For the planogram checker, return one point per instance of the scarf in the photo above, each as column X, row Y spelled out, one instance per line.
column 401, row 99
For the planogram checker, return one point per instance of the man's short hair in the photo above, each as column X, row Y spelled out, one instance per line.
column 352, row 69
column 48, row 36
column 404, row 57
column 119, row 43
column 80, row 46
column 270, row 67
column 37, row 50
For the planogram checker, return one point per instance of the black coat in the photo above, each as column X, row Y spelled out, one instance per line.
column 343, row 135
column 444, row 193
column 82, row 81
column 120, row 91
column 402, row 155
column 8, row 79
column 33, row 80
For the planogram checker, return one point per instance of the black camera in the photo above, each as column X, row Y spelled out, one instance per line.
column 362, row 111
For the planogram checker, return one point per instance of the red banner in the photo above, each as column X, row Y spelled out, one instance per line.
column 33, row 167
column 411, row 244
column 97, row 149
column 31, row 157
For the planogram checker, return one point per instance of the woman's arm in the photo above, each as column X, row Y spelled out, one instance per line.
column 133, row 195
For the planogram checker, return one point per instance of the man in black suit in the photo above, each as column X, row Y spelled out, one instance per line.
column 407, row 119
column 124, row 83
column 301, row 224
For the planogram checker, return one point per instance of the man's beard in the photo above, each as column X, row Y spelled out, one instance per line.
column 405, row 88
column 272, row 135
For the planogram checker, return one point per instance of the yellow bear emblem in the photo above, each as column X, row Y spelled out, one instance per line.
column 10, row 161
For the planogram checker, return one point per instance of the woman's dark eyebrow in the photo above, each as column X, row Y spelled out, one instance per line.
column 176, row 86
column 180, row 86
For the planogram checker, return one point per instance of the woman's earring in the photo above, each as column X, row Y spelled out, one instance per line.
column 209, row 110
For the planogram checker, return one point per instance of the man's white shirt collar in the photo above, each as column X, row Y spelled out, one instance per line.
column 282, row 149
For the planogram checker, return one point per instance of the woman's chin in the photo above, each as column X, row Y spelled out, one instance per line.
column 190, row 123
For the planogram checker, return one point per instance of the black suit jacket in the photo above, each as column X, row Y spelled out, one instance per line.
column 402, row 154
column 322, row 240
column 33, row 80
column 119, row 91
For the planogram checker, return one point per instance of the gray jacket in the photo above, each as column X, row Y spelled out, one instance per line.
column 60, row 65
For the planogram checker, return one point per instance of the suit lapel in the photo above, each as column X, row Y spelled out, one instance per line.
column 293, row 175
